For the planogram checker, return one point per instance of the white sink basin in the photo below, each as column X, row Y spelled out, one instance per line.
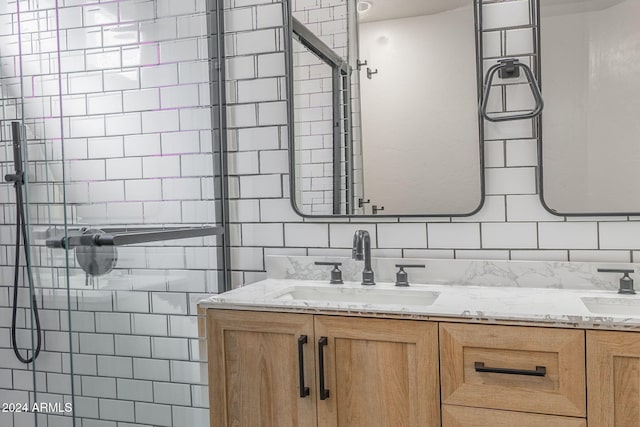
column 399, row 296
column 629, row 306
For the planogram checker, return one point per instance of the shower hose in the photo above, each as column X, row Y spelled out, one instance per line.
column 21, row 230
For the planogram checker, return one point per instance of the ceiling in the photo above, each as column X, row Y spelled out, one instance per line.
column 567, row 7
column 395, row 9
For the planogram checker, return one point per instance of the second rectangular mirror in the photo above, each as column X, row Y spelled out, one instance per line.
column 590, row 134
column 385, row 108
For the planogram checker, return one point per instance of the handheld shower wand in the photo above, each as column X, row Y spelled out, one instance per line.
column 21, row 230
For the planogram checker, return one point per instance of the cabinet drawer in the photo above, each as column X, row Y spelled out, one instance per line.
column 460, row 416
column 514, row 368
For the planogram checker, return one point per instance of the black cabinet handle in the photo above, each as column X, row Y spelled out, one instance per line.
column 540, row 371
column 304, row 390
column 322, row 342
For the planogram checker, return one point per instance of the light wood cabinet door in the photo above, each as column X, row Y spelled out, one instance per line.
column 254, row 377
column 377, row 372
column 613, row 379
column 460, row 416
column 513, row 368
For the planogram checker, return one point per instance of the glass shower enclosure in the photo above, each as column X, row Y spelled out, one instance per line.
column 114, row 104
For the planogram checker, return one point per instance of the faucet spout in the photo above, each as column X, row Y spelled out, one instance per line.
column 361, row 251
column 357, row 251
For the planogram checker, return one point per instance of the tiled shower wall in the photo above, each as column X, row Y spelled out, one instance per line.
column 511, row 225
column 125, row 97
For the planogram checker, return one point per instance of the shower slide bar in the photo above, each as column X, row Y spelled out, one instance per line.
column 115, row 237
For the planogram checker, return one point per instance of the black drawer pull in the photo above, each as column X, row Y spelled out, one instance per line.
column 322, row 342
column 540, row 371
column 304, row 390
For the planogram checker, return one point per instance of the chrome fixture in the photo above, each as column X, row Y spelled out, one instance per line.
column 626, row 282
column 402, row 277
column 129, row 236
column 371, row 72
column 96, row 250
column 362, row 251
column 336, row 273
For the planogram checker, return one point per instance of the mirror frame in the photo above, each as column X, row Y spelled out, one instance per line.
column 288, row 36
column 538, row 73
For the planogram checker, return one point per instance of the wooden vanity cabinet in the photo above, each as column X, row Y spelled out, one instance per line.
column 513, row 368
column 379, row 372
column 613, row 379
column 385, row 372
column 461, row 416
column 372, row 372
column 253, row 369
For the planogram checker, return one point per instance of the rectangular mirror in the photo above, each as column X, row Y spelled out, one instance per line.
column 591, row 86
column 385, row 108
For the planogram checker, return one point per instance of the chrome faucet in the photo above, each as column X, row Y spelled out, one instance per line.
column 362, row 251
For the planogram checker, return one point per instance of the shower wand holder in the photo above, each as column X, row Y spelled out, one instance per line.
column 16, row 178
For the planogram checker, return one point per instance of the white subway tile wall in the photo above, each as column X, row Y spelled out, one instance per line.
column 122, row 90
column 512, row 224
column 137, row 358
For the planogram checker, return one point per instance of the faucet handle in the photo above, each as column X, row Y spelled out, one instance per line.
column 402, row 277
column 336, row 273
column 626, row 282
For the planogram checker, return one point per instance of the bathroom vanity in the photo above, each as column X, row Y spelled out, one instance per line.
column 283, row 369
column 303, row 353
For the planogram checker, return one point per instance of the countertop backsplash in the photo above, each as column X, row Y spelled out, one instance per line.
column 522, row 274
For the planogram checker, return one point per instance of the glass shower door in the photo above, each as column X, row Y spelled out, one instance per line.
column 124, row 207
column 29, row 86
column 139, row 180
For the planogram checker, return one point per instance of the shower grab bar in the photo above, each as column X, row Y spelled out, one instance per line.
column 510, row 68
column 130, row 238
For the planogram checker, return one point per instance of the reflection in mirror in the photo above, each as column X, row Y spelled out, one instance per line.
column 591, row 132
column 321, row 81
column 385, row 108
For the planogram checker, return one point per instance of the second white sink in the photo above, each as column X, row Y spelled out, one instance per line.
column 629, row 306
column 398, row 296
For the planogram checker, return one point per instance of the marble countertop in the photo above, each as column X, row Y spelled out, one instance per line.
column 553, row 307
